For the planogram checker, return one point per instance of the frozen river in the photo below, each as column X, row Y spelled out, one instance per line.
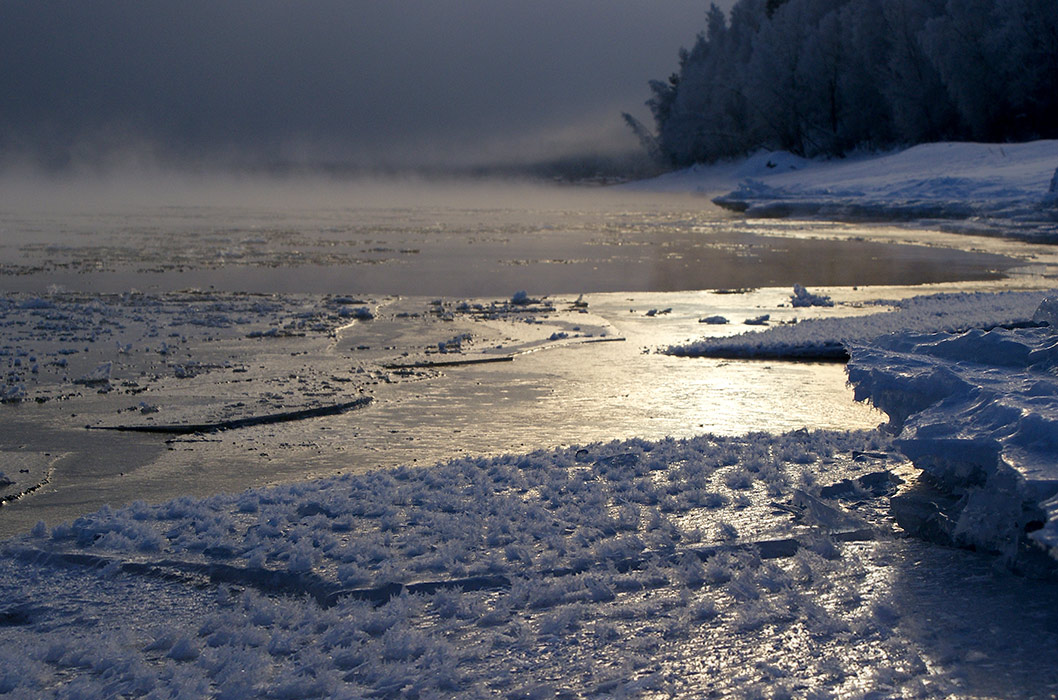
column 166, row 290
column 512, row 335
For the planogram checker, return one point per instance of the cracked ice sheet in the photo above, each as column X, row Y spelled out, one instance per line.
column 199, row 357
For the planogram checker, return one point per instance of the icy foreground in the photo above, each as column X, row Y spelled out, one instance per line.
column 978, row 412
column 762, row 565
column 609, row 569
column 683, row 568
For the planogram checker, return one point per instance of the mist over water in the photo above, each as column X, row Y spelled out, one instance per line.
column 156, row 230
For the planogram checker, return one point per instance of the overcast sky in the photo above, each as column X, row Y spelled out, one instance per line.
column 366, row 81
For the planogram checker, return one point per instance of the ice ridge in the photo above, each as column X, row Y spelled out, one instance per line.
column 977, row 412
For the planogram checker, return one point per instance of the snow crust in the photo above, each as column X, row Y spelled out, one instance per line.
column 828, row 338
column 978, row 413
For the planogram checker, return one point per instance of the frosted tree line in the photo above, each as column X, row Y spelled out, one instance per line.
column 823, row 77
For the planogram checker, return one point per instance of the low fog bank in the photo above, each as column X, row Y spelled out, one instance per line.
column 596, row 147
column 104, row 174
column 29, row 189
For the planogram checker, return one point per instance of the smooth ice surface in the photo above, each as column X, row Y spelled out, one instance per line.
column 446, row 378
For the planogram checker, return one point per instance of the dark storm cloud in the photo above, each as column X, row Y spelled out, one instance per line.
column 418, row 79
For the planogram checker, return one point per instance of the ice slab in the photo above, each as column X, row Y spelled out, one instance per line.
column 978, row 413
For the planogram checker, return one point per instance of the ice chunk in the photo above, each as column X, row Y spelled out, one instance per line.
column 360, row 313
column 1047, row 312
column 522, row 298
column 978, row 413
column 802, row 298
column 12, row 393
column 100, row 375
column 184, row 371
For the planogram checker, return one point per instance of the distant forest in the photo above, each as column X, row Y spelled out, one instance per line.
column 824, row 77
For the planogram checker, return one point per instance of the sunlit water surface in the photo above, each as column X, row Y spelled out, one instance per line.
column 402, row 246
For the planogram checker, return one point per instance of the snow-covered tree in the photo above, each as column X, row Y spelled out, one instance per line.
column 866, row 119
column 826, row 76
column 1026, row 41
column 918, row 102
column 958, row 43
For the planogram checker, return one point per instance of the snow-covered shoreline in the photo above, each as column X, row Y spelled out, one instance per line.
column 967, row 382
column 996, row 189
column 971, row 409
column 830, row 338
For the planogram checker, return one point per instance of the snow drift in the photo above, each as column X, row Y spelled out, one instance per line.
column 828, row 338
column 940, row 180
column 998, row 189
column 977, row 412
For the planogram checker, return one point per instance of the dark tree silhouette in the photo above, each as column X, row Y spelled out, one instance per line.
column 823, row 77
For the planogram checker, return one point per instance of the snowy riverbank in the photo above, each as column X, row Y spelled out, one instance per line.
column 997, row 189
column 973, row 410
